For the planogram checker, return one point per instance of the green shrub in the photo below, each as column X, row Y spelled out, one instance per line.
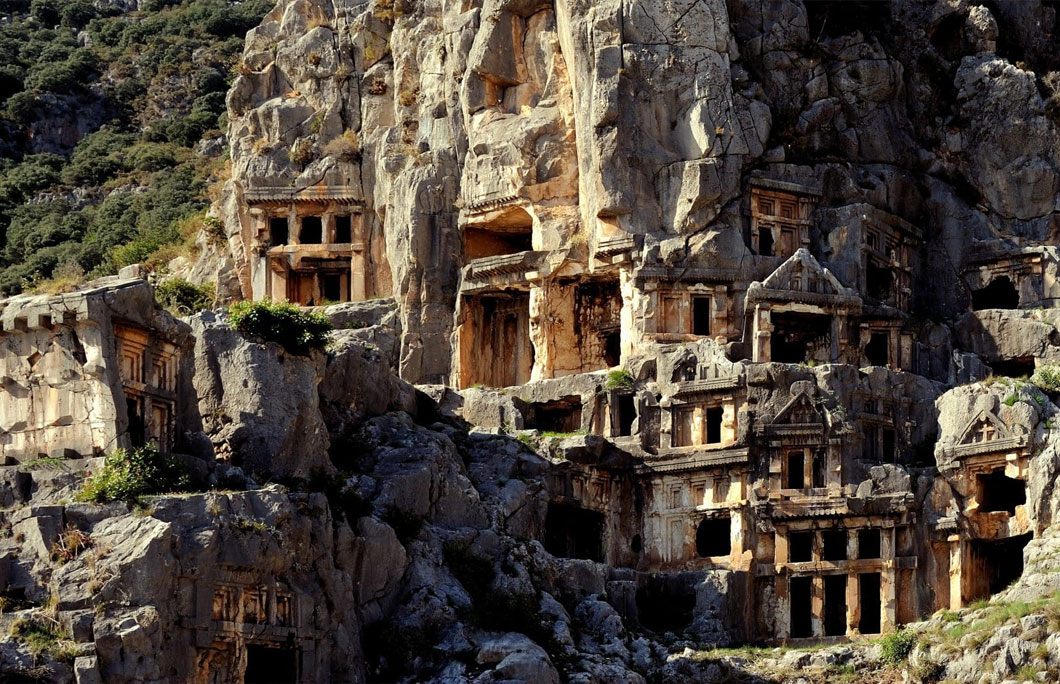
column 183, row 298
column 896, row 646
column 295, row 330
column 1047, row 379
column 129, row 474
column 618, row 379
column 44, row 636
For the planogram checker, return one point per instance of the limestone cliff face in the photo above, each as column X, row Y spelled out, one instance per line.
column 596, row 120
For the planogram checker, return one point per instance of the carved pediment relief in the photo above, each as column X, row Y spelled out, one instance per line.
column 987, row 433
column 984, row 427
column 802, row 273
column 799, row 411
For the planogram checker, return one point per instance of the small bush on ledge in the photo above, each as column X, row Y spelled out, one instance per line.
column 183, row 298
column 295, row 330
column 619, row 379
column 129, row 474
column 1047, row 379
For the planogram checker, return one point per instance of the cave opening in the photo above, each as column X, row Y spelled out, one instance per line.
column 509, row 233
column 666, row 604
column 800, row 337
column 561, row 416
column 714, row 537
column 876, row 351
column 574, row 532
column 999, row 492
column 1020, row 367
column 999, row 294
column 995, row 564
column 268, row 664
column 948, row 36
column 836, row 18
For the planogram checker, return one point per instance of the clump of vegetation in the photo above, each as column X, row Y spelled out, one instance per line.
column 44, row 636
column 1047, row 379
column 406, row 524
column 70, row 544
column 156, row 80
column 129, row 474
column 183, row 298
column 295, row 330
column 1011, row 399
column 470, row 569
column 619, row 379
column 896, row 646
column 346, row 147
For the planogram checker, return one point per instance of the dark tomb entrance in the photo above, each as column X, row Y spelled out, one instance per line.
column 999, row 294
column 835, row 605
column 998, row 492
column 869, row 600
column 627, row 413
column 714, row 537
column 996, row 564
column 666, row 603
column 271, row 665
column 801, row 620
column 574, row 532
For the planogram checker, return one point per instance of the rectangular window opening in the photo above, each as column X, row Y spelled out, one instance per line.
column 700, row 315
column 796, row 470
column 343, row 230
column 278, row 231
column 835, row 545
column 312, row 231
column 869, row 543
column 765, row 241
column 714, row 417
column 800, row 547
column 627, row 413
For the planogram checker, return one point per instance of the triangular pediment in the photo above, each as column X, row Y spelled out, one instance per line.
column 802, row 273
column 799, row 411
column 985, row 427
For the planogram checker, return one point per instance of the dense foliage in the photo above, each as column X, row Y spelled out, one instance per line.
column 295, row 330
column 100, row 115
column 129, row 474
column 183, row 298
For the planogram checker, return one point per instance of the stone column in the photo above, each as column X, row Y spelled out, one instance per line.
column 956, row 572
column 853, row 591
column 782, row 614
column 817, row 603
